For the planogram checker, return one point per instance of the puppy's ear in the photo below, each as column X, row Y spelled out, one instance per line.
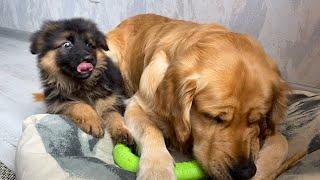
column 36, row 43
column 38, row 39
column 101, row 40
column 181, row 109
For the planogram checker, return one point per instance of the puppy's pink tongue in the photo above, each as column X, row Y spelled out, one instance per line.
column 84, row 67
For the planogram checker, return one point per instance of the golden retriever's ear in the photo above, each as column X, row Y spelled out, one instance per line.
column 278, row 107
column 181, row 109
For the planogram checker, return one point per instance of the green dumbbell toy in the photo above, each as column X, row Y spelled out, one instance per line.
column 125, row 159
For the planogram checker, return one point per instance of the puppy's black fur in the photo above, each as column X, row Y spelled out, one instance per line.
column 78, row 79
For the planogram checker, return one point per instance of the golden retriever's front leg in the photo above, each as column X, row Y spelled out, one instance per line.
column 156, row 162
column 273, row 152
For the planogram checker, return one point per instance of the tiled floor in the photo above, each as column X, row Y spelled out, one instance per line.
column 18, row 79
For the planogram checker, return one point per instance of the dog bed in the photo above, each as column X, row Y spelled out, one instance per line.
column 52, row 147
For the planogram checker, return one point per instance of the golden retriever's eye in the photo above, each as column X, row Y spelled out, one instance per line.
column 216, row 119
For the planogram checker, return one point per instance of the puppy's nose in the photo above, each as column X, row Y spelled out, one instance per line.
column 88, row 58
column 244, row 170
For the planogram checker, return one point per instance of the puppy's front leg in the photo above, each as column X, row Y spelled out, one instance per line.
column 113, row 120
column 85, row 117
column 155, row 161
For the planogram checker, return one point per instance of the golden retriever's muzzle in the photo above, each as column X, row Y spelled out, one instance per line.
column 244, row 170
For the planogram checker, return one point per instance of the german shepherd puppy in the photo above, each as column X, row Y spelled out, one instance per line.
column 78, row 79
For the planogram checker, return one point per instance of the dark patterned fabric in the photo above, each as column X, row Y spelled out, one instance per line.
column 5, row 173
column 302, row 129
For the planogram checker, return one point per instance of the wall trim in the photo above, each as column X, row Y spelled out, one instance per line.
column 15, row 34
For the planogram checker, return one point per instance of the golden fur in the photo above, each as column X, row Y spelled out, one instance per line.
column 204, row 88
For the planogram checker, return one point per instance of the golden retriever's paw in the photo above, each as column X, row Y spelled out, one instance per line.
column 122, row 135
column 93, row 127
column 158, row 166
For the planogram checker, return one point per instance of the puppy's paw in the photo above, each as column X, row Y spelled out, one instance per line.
column 157, row 166
column 122, row 135
column 93, row 127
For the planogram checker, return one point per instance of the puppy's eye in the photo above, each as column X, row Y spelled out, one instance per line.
column 89, row 45
column 66, row 44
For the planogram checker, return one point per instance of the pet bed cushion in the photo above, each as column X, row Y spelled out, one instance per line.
column 52, row 147
column 302, row 130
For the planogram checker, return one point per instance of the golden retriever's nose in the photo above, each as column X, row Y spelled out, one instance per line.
column 244, row 170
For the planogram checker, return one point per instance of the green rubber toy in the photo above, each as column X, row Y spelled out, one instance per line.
column 125, row 159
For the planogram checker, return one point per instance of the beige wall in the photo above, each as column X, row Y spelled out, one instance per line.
column 288, row 29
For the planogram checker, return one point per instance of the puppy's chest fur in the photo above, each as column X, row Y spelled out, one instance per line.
column 105, row 81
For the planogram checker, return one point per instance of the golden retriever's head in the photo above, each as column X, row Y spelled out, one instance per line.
column 229, row 95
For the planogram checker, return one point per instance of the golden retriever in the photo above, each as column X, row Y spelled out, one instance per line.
column 200, row 87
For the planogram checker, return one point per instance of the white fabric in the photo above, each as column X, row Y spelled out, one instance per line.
column 33, row 162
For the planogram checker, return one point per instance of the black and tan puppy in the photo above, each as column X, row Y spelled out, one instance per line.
column 78, row 79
